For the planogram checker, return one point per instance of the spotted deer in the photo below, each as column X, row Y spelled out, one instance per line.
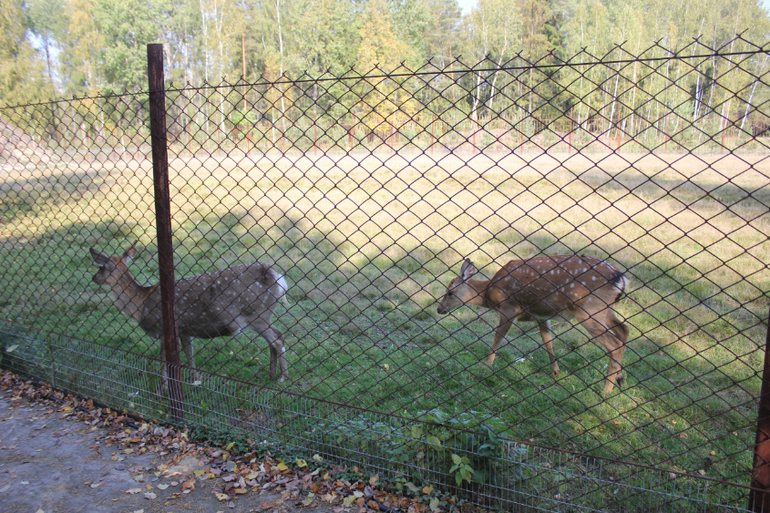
column 216, row 304
column 540, row 288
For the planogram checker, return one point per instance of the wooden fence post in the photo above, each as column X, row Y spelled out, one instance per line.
column 158, row 136
column 759, row 495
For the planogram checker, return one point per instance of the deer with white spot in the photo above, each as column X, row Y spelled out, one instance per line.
column 541, row 288
column 216, row 304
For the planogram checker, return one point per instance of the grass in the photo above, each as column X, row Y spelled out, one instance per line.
column 368, row 245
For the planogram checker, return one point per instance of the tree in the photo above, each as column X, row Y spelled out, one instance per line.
column 20, row 77
column 48, row 24
column 127, row 26
column 379, row 46
column 442, row 30
column 85, row 42
column 384, row 102
column 180, row 35
column 329, row 35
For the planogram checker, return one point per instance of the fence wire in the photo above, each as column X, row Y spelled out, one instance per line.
column 367, row 192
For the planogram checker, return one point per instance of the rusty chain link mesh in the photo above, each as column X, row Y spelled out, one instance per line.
column 367, row 192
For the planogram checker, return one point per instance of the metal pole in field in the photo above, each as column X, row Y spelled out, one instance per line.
column 163, row 224
column 759, row 495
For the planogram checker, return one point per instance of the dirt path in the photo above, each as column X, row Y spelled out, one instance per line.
column 50, row 462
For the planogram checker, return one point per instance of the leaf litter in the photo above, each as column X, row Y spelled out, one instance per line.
column 233, row 475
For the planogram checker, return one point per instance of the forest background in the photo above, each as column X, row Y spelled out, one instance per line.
column 55, row 48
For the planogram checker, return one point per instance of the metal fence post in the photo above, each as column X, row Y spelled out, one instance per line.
column 172, row 361
column 759, row 496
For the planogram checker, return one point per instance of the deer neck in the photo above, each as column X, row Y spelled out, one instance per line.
column 130, row 296
column 478, row 292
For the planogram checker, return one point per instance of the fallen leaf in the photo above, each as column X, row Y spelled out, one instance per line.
column 162, row 486
column 283, row 467
column 132, row 491
column 350, row 499
column 222, row 496
column 301, row 463
column 150, row 495
column 373, row 480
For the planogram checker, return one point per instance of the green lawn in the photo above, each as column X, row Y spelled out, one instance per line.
column 368, row 246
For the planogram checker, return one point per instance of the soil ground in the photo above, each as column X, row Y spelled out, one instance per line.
column 50, row 462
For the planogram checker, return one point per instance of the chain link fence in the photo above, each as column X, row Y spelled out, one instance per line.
column 367, row 193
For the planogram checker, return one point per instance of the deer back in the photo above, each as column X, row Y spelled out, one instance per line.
column 220, row 303
column 545, row 286
column 215, row 304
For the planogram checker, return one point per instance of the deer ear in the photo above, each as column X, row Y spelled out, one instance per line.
column 130, row 252
column 99, row 258
column 467, row 270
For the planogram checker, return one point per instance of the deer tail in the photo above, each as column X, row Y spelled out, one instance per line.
column 621, row 282
column 283, row 287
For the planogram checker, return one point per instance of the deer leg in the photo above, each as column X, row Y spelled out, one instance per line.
column 277, row 352
column 621, row 331
column 500, row 333
column 545, row 333
column 163, row 370
column 189, row 350
column 615, row 346
column 615, row 371
column 273, row 360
